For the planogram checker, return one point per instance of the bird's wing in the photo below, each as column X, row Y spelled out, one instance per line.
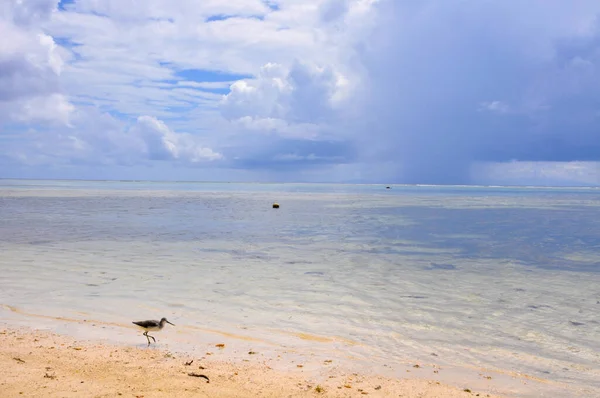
column 146, row 324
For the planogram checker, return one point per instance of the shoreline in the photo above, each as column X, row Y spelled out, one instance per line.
column 42, row 363
column 307, row 366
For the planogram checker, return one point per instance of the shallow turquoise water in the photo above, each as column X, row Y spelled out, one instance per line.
column 495, row 278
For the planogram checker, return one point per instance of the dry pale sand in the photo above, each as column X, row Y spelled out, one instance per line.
column 41, row 364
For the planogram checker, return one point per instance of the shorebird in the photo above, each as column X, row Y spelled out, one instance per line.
column 152, row 325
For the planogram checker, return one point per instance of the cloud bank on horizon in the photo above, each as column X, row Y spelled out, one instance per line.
column 428, row 91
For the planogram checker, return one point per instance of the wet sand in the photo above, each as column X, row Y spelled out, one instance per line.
column 43, row 364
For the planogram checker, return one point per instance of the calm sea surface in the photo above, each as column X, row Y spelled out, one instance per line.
column 502, row 279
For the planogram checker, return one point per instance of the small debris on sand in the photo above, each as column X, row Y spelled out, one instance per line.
column 199, row 375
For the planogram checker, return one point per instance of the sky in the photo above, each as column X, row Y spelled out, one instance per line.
column 493, row 92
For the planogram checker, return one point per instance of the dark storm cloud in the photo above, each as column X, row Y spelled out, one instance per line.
column 453, row 82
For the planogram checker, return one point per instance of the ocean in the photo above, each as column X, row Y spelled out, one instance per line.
column 502, row 279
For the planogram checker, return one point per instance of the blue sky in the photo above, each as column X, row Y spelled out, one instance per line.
column 428, row 91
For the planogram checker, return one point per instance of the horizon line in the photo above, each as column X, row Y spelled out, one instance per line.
column 298, row 182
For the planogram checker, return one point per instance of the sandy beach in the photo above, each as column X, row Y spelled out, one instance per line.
column 42, row 364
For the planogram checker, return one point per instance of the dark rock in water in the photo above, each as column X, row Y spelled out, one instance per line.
column 317, row 273
column 576, row 323
column 519, row 290
column 414, row 297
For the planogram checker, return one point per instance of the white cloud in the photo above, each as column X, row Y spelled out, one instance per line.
column 161, row 143
column 263, row 97
column 495, row 107
column 100, row 139
column 128, row 10
column 25, row 13
column 299, row 101
column 280, row 127
column 53, row 108
column 30, row 66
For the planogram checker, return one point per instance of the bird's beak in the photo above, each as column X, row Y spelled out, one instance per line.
column 170, row 323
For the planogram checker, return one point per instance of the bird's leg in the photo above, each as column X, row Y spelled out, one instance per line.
column 148, row 337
